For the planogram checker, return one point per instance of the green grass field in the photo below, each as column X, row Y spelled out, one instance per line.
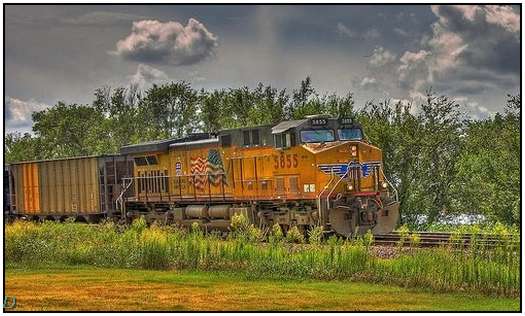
column 90, row 288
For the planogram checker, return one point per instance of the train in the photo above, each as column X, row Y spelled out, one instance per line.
column 316, row 171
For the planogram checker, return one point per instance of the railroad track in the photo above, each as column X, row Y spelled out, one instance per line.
column 436, row 239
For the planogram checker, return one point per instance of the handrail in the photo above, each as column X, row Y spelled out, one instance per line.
column 332, row 177
column 335, row 186
column 390, row 184
column 120, row 198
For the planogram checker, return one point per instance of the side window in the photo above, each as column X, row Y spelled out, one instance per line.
column 152, row 160
column 141, row 161
column 278, row 140
column 292, row 140
column 246, row 138
column 255, row 137
column 226, row 140
column 287, row 140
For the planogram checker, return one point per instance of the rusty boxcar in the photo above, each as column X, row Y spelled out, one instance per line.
column 85, row 188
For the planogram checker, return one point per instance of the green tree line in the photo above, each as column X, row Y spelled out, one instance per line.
column 442, row 162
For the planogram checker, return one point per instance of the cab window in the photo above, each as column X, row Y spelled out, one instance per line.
column 350, row 134
column 284, row 140
column 317, row 136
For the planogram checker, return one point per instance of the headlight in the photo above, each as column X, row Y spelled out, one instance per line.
column 350, row 187
column 384, row 185
column 354, row 151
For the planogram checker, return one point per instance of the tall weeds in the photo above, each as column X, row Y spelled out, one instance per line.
column 494, row 271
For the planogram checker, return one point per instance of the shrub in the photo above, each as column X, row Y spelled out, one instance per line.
column 139, row 224
column 404, row 232
column 315, row 235
column 415, row 240
column 154, row 249
column 276, row 234
column 294, row 235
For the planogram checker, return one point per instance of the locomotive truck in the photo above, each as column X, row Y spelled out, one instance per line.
column 314, row 171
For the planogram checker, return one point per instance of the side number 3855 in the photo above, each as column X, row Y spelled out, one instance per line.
column 285, row 161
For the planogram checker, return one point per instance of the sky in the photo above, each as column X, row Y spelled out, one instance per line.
column 64, row 52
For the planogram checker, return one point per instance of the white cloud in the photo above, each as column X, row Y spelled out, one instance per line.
column 368, row 83
column 370, row 34
column 17, row 113
column 503, row 16
column 474, row 109
column 344, row 30
column 147, row 75
column 381, row 57
column 414, row 73
column 170, row 43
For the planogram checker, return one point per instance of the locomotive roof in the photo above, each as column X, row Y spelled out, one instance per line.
column 196, row 142
column 161, row 145
column 286, row 125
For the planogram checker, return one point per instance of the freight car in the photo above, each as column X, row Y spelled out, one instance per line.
column 83, row 188
column 314, row 171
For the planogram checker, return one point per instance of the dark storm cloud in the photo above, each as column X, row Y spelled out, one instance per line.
column 171, row 42
column 60, row 52
column 490, row 33
column 471, row 50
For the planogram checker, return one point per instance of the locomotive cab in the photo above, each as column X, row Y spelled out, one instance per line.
column 353, row 194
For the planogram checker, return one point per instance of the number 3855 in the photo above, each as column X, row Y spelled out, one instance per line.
column 285, row 161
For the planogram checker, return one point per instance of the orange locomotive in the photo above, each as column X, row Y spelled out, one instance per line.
column 314, row 171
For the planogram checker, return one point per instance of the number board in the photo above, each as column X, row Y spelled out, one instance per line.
column 346, row 121
column 319, row 121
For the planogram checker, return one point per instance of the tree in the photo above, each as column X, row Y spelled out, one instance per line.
column 121, row 121
column 211, row 114
column 489, row 168
column 20, row 147
column 168, row 110
column 305, row 101
column 340, row 107
column 67, row 130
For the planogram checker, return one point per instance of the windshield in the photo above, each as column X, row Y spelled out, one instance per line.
column 350, row 134
column 317, row 136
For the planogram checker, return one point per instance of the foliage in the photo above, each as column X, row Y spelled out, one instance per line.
column 293, row 235
column 315, row 235
column 276, row 234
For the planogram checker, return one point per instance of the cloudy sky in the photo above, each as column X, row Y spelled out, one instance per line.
column 60, row 52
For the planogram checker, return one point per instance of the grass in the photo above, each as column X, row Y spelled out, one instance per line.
column 92, row 288
column 161, row 248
